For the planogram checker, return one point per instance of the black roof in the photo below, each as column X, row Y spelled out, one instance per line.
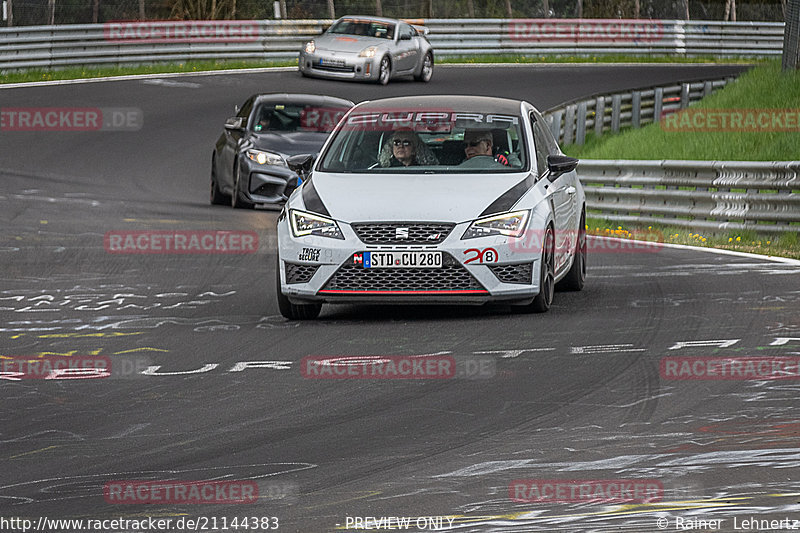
column 314, row 99
column 483, row 104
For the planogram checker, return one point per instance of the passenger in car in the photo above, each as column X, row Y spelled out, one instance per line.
column 405, row 148
column 480, row 143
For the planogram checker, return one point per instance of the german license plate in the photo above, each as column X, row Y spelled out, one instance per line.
column 331, row 62
column 399, row 259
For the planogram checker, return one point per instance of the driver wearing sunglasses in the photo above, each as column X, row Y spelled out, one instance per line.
column 405, row 148
column 480, row 143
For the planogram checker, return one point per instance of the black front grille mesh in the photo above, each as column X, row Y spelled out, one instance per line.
column 296, row 273
column 521, row 273
column 411, row 233
column 450, row 277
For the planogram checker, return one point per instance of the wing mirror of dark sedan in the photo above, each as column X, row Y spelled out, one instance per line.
column 300, row 163
column 234, row 123
column 560, row 164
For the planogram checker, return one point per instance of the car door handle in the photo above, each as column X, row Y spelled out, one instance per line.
column 571, row 190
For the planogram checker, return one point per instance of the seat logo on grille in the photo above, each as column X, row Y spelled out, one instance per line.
column 401, row 233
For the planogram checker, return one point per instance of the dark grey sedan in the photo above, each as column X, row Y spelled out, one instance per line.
column 368, row 48
column 249, row 165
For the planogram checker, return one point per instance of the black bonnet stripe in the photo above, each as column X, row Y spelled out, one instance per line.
column 507, row 200
column 312, row 200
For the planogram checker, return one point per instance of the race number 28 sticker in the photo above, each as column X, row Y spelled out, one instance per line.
column 487, row 255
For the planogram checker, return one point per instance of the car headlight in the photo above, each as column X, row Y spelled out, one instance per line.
column 310, row 47
column 265, row 158
column 508, row 224
column 368, row 52
column 309, row 224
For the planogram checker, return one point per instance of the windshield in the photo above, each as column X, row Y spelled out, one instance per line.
column 366, row 28
column 288, row 118
column 429, row 141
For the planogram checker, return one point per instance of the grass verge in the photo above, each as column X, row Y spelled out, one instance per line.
column 157, row 68
column 764, row 87
column 198, row 66
column 781, row 245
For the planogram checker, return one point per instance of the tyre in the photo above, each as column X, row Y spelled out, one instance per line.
column 426, row 71
column 217, row 197
column 236, row 198
column 290, row 310
column 543, row 300
column 576, row 277
column 385, row 71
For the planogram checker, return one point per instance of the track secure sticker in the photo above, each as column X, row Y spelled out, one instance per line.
column 309, row 254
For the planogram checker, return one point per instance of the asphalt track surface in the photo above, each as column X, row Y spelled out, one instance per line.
column 573, row 394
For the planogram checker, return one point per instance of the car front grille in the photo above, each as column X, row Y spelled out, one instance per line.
column 520, row 273
column 296, row 273
column 450, row 277
column 399, row 233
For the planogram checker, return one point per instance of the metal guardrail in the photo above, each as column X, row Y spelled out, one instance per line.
column 707, row 195
column 94, row 44
column 571, row 122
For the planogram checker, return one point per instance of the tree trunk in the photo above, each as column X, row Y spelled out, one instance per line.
column 141, row 10
column 233, row 10
column 546, row 8
column 430, row 9
column 95, row 11
column 686, row 10
column 378, row 8
column 51, row 12
column 579, row 9
column 331, row 9
column 10, row 8
column 509, row 12
column 637, row 9
column 282, row 5
column 471, row 9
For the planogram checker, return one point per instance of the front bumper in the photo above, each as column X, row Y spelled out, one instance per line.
column 322, row 269
column 342, row 66
column 267, row 184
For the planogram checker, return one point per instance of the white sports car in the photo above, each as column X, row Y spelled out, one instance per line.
column 434, row 199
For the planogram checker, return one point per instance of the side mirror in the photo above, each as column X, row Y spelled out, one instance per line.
column 234, row 123
column 300, row 163
column 560, row 164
